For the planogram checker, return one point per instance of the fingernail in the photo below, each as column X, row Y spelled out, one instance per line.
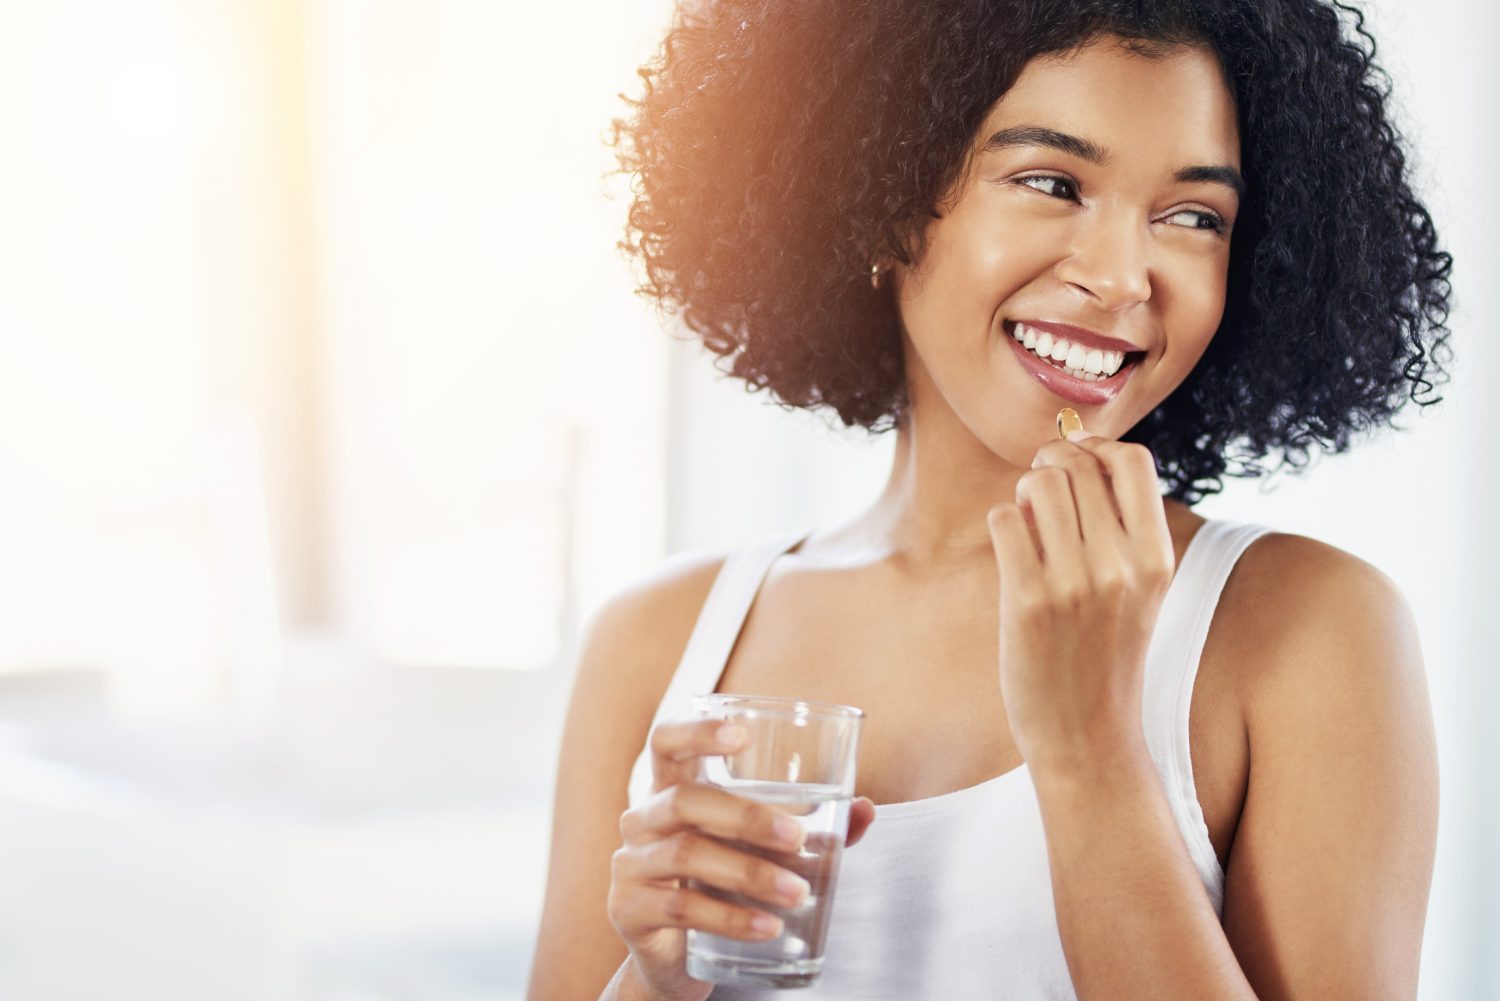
column 788, row 830
column 730, row 735
column 1080, row 434
column 792, row 886
column 766, row 924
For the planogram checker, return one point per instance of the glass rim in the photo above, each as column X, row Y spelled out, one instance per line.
column 781, row 706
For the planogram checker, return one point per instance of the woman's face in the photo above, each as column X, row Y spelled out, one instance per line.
column 1100, row 197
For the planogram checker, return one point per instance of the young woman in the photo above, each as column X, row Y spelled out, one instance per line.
column 1112, row 749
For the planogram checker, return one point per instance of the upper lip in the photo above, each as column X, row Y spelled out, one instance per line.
column 1078, row 335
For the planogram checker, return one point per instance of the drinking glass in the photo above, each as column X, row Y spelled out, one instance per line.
column 800, row 757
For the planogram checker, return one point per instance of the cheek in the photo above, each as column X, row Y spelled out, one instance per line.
column 966, row 273
column 1003, row 255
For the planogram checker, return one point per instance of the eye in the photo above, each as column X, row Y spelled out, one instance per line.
column 1061, row 187
column 1210, row 221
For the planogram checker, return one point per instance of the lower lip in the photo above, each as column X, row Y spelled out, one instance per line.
column 1060, row 383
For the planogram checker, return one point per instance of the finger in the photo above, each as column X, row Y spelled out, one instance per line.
column 1099, row 516
column 1137, row 491
column 1015, row 546
column 676, row 748
column 687, row 855
column 1047, row 493
column 1031, row 530
column 861, row 816
column 647, row 908
column 714, row 811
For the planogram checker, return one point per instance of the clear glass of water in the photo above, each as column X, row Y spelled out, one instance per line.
column 801, row 758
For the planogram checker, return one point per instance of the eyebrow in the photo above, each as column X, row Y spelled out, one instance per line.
column 1086, row 149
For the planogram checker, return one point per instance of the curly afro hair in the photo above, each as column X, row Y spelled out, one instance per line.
column 780, row 146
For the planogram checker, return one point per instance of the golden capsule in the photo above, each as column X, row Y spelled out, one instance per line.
column 1068, row 420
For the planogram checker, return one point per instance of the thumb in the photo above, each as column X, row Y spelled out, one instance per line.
column 861, row 815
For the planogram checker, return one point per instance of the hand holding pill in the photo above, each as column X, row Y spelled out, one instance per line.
column 1085, row 559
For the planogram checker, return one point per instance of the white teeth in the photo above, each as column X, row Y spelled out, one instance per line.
column 1089, row 364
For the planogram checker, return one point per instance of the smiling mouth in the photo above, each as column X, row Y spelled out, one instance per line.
column 1076, row 360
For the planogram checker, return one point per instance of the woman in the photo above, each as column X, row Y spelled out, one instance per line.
column 1208, row 766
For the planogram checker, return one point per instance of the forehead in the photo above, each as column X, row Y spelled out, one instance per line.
column 1174, row 107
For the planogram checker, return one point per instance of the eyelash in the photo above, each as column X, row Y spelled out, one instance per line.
column 1218, row 222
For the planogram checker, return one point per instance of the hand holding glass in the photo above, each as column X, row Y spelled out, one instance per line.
column 801, row 758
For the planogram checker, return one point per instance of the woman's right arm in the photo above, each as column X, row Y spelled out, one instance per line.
column 629, row 652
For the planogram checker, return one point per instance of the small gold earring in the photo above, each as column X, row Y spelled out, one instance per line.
column 875, row 276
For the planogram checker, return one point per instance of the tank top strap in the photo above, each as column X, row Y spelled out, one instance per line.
column 1171, row 668
column 713, row 638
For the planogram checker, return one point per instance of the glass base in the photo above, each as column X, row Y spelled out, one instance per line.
column 754, row 973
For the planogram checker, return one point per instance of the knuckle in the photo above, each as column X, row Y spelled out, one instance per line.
column 1139, row 454
column 681, row 851
column 1151, row 565
column 1110, row 581
column 1075, row 458
column 620, row 909
column 613, row 908
column 660, row 735
column 754, row 816
column 1035, row 604
column 1156, row 580
column 1070, row 595
column 670, row 740
column 1032, row 481
column 677, row 905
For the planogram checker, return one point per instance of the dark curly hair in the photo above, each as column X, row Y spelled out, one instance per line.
column 780, row 147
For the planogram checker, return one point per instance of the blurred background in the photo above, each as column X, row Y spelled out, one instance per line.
column 327, row 415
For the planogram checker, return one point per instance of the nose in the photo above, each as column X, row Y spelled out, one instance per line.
column 1110, row 261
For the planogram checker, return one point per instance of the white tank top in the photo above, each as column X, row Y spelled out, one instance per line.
column 951, row 896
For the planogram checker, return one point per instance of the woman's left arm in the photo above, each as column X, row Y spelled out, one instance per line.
column 1328, row 877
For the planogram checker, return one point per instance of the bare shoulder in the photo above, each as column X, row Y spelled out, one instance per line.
column 1327, row 881
column 1298, row 603
column 635, row 640
column 630, row 648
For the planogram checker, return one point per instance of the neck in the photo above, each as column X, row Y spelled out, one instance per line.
column 931, row 515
